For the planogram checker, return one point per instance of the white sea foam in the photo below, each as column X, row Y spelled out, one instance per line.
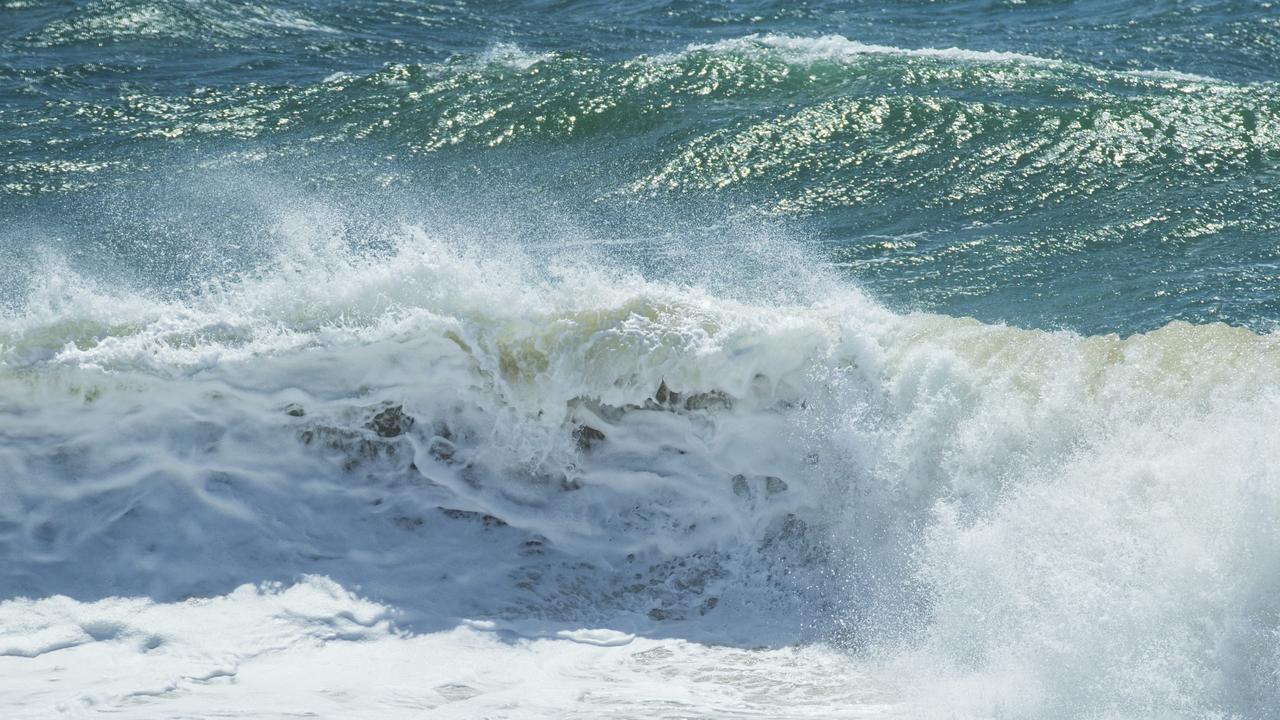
column 513, row 56
column 557, row 467
column 314, row 649
column 836, row 47
column 1176, row 76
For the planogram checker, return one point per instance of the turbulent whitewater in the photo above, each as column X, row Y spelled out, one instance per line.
column 681, row 361
column 1024, row 520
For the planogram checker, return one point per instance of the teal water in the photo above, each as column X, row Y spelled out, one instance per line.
column 1083, row 165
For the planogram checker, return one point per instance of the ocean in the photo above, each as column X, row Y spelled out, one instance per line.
column 576, row 359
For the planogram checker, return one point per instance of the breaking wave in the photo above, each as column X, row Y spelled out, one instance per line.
column 1014, row 520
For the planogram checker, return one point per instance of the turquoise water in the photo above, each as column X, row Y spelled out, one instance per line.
column 1083, row 165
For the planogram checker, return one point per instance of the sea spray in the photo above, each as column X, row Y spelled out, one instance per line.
column 582, row 447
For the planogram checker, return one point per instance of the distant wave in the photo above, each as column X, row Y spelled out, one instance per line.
column 116, row 20
column 836, row 47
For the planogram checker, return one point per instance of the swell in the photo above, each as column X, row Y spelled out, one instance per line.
column 820, row 109
column 222, row 24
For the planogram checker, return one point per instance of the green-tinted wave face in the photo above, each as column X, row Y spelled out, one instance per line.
column 1047, row 188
